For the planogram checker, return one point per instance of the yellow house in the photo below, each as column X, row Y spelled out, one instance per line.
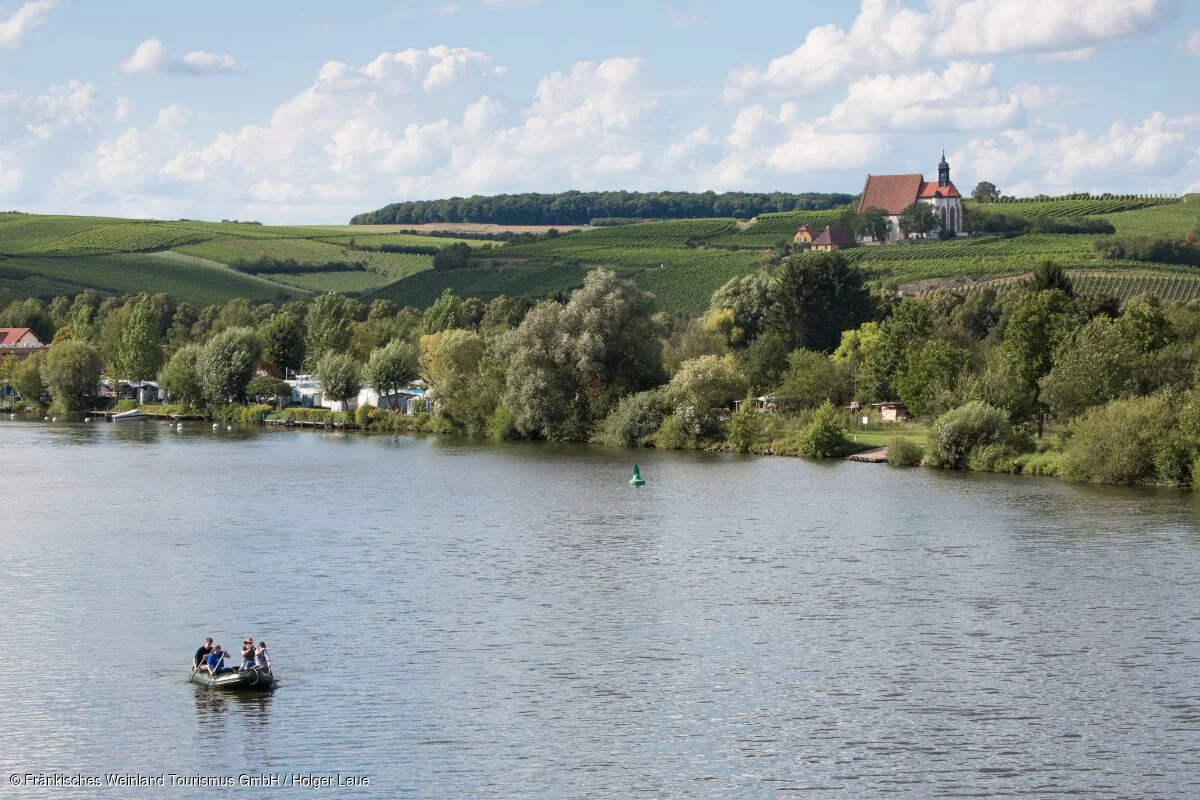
column 804, row 234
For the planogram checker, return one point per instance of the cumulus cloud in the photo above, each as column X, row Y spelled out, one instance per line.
column 43, row 116
column 961, row 97
column 990, row 27
column 1152, row 155
column 762, row 145
column 412, row 123
column 151, row 57
column 22, row 21
column 888, row 35
column 1082, row 54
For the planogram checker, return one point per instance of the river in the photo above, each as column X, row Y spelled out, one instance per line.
column 461, row 619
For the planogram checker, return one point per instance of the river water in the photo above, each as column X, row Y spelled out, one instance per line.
column 457, row 619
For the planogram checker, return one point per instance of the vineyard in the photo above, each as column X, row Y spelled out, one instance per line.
column 1078, row 207
column 422, row 289
column 681, row 261
column 1173, row 287
column 320, row 282
column 44, row 256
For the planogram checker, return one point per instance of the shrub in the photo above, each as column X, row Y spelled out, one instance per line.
column 500, row 423
column 961, row 430
column 904, row 453
column 362, row 415
column 634, row 420
column 679, row 431
column 1126, row 441
column 825, row 437
column 998, row 457
column 744, row 428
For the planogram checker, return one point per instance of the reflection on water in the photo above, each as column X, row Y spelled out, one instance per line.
column 461, row 619
column 252, row 707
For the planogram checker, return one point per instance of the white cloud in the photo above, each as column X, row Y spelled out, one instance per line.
column 151, row 57
column 698, row 146
column 413, row 123
column 1152, row 155
column 1192, row 43
column 11, row 176
column 505, row 4
column 124, row 109
column 683, row 19
column 1082, row 54
column 888, row 35
column 611, row 163
column 885, row 34
column 989, row 27
column 761, row 145
column 961, row 97
column 22, row 21
column 449, row 9
column 43, row 116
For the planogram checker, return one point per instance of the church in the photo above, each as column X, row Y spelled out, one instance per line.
column 893, row 193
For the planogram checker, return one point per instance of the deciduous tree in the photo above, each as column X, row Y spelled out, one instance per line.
column 227, row 363
column 339, row 376
column 327, row 327
column 72, row 374
column 817, row 296
column 391, row 369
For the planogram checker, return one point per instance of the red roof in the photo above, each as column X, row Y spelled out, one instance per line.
column 11, row 336
column 808, row 228
column 891, row 193
column 842, row 237
column 930, row 189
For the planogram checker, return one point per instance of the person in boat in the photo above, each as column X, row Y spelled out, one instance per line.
column 247, row 654
column 202, row 653
column 262, row 657
column 215, row 662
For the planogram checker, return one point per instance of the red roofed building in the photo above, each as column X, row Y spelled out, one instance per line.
column 834, row 239
column 805, row 234
column 893, row 193
column 20, row 342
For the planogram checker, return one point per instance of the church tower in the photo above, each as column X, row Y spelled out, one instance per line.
column 943, row 171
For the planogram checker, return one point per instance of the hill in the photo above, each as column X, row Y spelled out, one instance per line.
column 684, row 261
column 202, row 262
column 681, row 261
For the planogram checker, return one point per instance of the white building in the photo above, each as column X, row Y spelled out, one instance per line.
column 306, row 392
column 894, row 193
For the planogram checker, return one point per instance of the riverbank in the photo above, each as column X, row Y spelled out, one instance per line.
column 899, row 444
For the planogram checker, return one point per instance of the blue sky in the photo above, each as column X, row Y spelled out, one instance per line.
column 313, row 111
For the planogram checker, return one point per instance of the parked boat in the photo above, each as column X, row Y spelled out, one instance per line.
column 251, row 680
column 132, row 415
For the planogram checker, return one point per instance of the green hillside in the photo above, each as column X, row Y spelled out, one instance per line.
column 44, row 256
column 681, row 261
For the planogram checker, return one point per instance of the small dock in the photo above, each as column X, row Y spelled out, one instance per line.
column 876, row 456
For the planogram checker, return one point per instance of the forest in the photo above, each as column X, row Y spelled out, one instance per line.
column 583, row 208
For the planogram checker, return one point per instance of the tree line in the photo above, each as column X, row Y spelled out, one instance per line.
column 1025, row 376
column 580, row 208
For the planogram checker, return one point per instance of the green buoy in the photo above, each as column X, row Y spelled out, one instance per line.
column 637, row 479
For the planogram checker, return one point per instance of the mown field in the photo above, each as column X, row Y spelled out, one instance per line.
column 681, row 261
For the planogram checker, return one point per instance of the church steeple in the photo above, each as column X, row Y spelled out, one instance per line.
column 943, row 170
